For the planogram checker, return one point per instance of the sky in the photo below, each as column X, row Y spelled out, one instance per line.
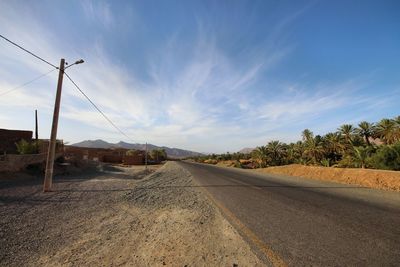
column 208, row 76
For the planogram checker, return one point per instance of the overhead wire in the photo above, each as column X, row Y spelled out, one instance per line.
column 97, row 108
column 28, row 82
column 26, row 50
column 76, row 86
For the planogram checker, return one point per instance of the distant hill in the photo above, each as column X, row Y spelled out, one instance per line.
column 246, row 150
column 171, row 152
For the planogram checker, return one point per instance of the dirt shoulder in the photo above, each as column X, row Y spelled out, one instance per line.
column 110, row 218
column 378, row 179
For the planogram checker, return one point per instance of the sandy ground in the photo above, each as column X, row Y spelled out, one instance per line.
column 379, row 179
column 116, row 217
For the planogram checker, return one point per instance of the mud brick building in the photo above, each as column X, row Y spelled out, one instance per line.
column 137, row 159
column 8, row 138
column 112, row 155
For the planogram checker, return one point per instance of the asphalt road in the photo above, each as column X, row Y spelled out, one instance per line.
column 296, row 221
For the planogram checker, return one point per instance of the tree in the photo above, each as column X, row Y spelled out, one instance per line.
column 132, row 152
column 386, row 131
column 333, row 146
column 365, row 130
column 261, row 155
column 276, row 150
column 361, row 155
column 387, row 157
column 298, row 149
column 158, row 155
column 307, row 135
column 346, row 130
column 313, row 149
column 397, row 128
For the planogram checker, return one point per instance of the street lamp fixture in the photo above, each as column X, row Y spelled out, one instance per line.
column 80, row 61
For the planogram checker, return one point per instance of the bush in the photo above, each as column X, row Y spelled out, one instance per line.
column 132, row 152
column 325, row 162
column 24, row 147
column 346, row 162
column 386, row 157
column 238, row 164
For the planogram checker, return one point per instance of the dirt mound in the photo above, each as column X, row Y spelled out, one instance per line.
column 379, row 179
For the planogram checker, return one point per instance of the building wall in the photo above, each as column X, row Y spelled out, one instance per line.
column 112, row 158
column 8, row 138
column 13, row 163
column 95, row 154
column 134, row 160
column 44, row 146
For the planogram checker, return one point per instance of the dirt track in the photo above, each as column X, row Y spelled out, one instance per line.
column 110, row 218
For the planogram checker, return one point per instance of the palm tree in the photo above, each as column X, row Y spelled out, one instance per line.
column 397, row 131
column 346, row 130
column 299, row 148
column 276, row 150
column 386, row 131
column 366, row 130
column 332, row 145
column 361, row 155
column 261, row 155
column 314, row 151
column 332, row 141
column 307, row 135
column 313, row 148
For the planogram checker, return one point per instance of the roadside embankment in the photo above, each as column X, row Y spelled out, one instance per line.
column 378, row 179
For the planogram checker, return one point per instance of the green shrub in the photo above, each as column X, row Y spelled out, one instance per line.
column 24, row 147
column 132, row 152
column 326, row 162
column 238, row 164
column 387, row 157
column 346, row 162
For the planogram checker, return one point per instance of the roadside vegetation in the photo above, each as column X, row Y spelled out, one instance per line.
column 367, row 145
column 155, row 155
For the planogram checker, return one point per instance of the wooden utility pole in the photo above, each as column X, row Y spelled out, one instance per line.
column 48, row 179
column 36, row 126
column 145, row 157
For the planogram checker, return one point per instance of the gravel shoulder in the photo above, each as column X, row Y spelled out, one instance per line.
column 116, row 217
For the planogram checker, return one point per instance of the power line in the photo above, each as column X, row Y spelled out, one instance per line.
column 20, row 47
column 24, row 84
column 77, row 87
column 97, row 108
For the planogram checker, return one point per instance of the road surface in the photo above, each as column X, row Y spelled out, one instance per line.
column 296, row 221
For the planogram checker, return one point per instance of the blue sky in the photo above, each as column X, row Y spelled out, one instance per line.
column 210, row 76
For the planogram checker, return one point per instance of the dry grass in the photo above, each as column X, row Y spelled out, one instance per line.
column 379, row 179
column 226, row 163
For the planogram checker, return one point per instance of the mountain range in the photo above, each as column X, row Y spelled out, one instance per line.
column 171, row 152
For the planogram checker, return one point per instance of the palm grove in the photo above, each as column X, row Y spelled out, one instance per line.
column 367, row 145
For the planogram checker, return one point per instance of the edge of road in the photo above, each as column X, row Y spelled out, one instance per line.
column 261, row 249
column 371, row 196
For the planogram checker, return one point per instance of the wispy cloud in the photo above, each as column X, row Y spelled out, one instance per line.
column 98, row 12
column 200, row 98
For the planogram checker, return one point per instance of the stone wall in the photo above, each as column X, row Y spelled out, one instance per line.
column 14, row 163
